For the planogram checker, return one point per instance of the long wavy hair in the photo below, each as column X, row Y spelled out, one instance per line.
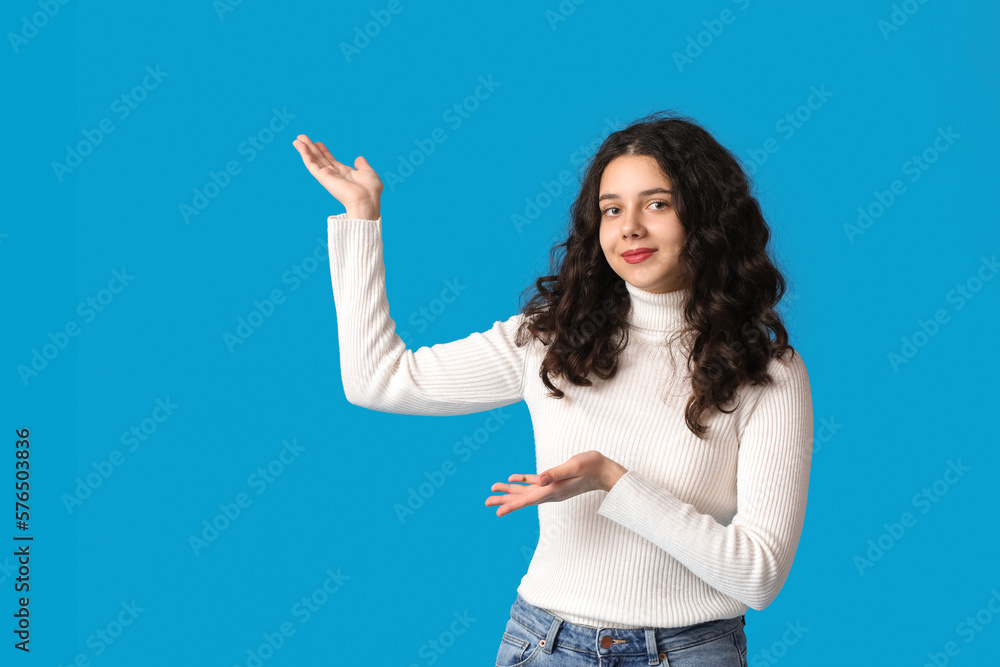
column 580, row 311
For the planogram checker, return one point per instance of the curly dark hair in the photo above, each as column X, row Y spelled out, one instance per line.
column 580, row 312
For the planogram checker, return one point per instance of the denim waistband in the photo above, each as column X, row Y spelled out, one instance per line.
column 616, row 641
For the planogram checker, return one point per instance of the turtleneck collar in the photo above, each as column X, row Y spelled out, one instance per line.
column 654, row 313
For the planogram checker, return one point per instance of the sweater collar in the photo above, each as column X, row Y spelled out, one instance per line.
column 656, row 313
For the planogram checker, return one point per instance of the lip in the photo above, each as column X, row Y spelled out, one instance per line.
column 637, row 255
column 637, row 251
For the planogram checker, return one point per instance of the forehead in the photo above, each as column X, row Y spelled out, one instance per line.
column 635, row 172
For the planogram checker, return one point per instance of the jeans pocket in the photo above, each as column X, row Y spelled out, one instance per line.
column 516, row 646
column 740, row 637
column 727, row 649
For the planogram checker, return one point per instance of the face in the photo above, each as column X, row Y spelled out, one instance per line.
column 637, row 212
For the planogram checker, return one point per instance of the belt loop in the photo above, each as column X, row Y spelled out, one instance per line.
column 651, row 649
column 550, row 638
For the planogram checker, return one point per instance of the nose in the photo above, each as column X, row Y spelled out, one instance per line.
column 631, row 225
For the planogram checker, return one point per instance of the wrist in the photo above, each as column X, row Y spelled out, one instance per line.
column 612, row 473
column 363, row 213
column 365, row 209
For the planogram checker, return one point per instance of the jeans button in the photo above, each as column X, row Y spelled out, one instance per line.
column 606, row 641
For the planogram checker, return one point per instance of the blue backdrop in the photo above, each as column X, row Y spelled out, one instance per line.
column 200, row 490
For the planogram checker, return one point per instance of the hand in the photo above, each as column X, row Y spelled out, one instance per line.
column 583, row 472
column 357, row 189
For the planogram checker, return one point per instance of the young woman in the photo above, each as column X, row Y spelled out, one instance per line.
column 674, row 455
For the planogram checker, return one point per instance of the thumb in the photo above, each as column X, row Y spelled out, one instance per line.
column 362, row 163
column 548, row 476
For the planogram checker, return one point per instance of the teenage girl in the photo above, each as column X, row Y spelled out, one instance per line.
column 674, row 450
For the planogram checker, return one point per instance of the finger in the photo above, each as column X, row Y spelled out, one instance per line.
column 506, row 506
column 329, row 156
column 551, row 475
column 525, row 495
column 509, row 488
column 309, row 156
column 513, row 504
column 523, row 477
column 302, row 143
column 304, row 139
column 319, row 157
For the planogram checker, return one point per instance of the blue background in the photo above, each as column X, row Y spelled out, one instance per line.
column 884, row 432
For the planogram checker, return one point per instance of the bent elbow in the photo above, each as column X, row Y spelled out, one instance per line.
column 358, row 395
column 767, row 570
column 762, row 595
column 761, row 599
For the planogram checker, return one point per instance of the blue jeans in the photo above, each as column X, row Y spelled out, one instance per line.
column 536, row 637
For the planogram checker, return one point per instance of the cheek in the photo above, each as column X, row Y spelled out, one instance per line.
column 607, row 242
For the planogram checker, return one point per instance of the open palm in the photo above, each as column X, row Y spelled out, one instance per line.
column 356, row 189
column 583, row 472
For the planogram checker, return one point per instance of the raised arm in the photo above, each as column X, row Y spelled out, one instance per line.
column 750, row 558
column 483, row 371
column 479, row 372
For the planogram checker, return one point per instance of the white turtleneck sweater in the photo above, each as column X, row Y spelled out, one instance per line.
column 696, row 530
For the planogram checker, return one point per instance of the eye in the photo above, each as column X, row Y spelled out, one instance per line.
column 665, row 204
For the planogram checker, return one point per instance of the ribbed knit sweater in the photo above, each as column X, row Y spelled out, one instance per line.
column 696, row 530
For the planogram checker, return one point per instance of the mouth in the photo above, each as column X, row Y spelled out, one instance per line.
column 637, row 255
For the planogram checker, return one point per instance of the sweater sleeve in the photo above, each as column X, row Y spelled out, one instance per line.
column 480, row 372
column 750, row 558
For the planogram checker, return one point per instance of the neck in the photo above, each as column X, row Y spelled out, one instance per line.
column 656, row 313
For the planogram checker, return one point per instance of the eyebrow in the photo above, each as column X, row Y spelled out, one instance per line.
column 651, row 191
